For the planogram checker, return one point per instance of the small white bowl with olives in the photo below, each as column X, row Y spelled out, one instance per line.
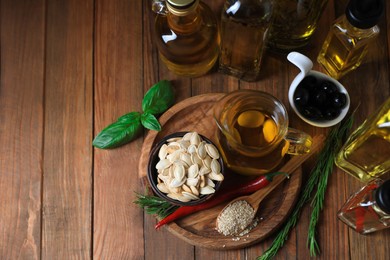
column 316, row 98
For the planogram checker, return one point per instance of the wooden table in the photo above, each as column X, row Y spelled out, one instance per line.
column 69, row 68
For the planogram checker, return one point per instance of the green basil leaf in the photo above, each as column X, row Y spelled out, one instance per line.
column 149, row 121
column 124, row 130
column 158, row 98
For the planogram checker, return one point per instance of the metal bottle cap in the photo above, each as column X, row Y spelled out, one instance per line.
column 181, row 7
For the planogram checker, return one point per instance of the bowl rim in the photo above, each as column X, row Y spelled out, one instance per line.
column 324, row 123
column 152, row 172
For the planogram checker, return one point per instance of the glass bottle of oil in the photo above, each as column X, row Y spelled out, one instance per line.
column 366, row 153
column 187, row 36
column 244, row 32
column 368, row 210
column 349, row 37
column 294, row 22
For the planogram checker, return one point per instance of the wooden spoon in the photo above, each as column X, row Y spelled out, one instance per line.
column 291, row 166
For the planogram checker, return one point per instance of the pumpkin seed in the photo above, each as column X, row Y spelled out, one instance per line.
column 188, row 167
column 194, row 190
column 212, row 151
column 162, row 187
column 195, row 138
column 215, row 166
column 207, row 190
column 162, row 154
column 163, row 164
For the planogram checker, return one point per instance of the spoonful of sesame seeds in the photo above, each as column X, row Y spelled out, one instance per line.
column 240, row 213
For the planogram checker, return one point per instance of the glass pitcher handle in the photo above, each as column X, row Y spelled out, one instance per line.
column 299, row 142
column 159, row 7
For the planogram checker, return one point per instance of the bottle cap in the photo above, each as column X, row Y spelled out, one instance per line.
column 382, row 196
column 181, row 3
column 181, row 7
column 364, row 14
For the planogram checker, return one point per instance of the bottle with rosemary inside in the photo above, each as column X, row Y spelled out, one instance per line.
column 187, row 36
column 244, row 32
column 294, row 22
column 368, row 210
column 349, row 37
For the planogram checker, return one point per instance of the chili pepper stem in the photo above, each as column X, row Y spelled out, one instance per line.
column 270, row 176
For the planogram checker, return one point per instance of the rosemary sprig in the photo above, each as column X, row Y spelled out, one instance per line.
column 324, row 162
column 154, row 205
column 338, row 135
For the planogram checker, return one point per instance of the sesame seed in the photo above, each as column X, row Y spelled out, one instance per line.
column 235, row 218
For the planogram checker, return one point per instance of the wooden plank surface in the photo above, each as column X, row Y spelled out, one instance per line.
column 67, row 154
column 21, row 127
column 117, row 222
column 69, row 68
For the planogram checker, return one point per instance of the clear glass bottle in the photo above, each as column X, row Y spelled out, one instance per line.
column 366, row 153
column 349, row 37
column 294, row 22
column 187, row 36
column 244, row 32
column 368, row 210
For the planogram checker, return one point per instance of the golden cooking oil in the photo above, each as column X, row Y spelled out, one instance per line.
column 244, row 32
column 187, row 38
column 294, row 22
column 254, row 129
column 350, row 36
column 366, row 154
column 343, row 52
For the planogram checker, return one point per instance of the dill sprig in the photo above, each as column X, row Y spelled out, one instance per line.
column 155, row 206
column 318, row 177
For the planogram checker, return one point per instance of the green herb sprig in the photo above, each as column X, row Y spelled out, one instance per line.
column 339, row 135
column 155, row 206
column 128, row 127
column 318, row 177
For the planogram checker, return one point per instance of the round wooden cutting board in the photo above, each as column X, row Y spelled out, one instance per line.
column 196, row 114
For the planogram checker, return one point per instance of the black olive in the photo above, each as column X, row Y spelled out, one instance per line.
column 301, row 96
column 319, row 98
column 309, row 82
column 312, row 113
column 329, row 87
column 338, row 100
column 331, row 113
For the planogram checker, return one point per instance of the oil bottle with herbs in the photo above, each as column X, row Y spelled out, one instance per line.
column 294, row 22
column 244, row 33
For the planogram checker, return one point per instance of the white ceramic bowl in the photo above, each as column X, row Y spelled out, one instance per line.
column 305, row 65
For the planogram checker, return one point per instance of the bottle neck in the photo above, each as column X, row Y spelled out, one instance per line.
column 186, row 21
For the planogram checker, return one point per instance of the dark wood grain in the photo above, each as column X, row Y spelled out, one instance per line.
column 68, row 69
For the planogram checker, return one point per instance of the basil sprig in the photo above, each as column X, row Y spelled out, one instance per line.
column 129, row 126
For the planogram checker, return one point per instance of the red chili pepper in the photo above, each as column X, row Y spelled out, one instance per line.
column 220, row 197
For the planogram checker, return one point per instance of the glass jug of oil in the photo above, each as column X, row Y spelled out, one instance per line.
column 186, row 35
column 366, row 154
